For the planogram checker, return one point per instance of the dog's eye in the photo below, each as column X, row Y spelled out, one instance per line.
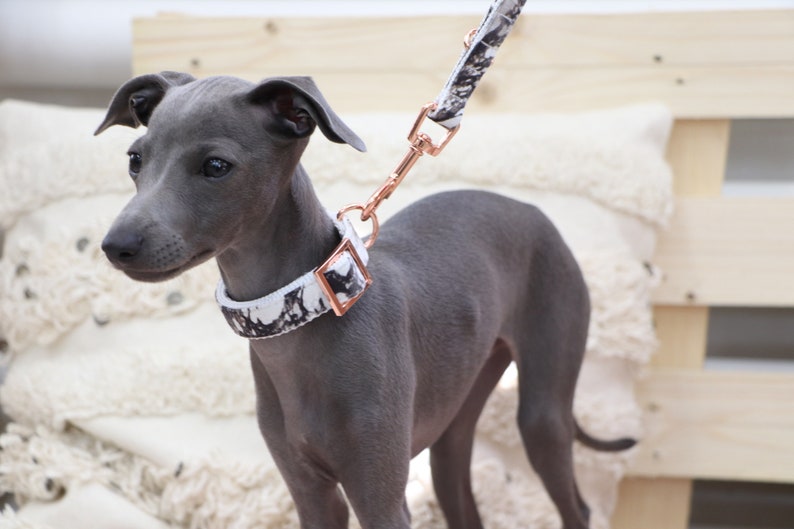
column 135, row 163
column 215, row 168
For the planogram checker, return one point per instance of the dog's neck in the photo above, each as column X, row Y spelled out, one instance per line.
column 296, row 236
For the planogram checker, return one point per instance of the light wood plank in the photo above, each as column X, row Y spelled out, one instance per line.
column 682, row 334
column 728, row 252
column 717, row 425
column 699, row 92
column 255, row 46
column 393, row 63
column 691, row 92
column 365, row 44
column 661, row 39
column 644, row 503
column 697, row 152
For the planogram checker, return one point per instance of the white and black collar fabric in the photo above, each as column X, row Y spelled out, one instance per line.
column 300, row 301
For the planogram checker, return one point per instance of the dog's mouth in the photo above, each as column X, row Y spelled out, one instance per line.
column 157, row 275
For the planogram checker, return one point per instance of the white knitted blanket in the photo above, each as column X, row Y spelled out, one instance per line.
column 133, row 402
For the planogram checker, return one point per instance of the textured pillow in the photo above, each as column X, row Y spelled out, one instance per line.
column 113, row 382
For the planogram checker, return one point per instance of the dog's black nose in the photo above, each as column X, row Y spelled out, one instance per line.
column 122, row 247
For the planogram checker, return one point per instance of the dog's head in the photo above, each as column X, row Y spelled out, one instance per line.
column 217, row 154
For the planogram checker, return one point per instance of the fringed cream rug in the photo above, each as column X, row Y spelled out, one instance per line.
column 133, row 403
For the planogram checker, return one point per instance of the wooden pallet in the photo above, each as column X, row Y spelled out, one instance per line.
column 709, row 68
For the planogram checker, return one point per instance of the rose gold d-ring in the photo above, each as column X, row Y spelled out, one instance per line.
column 469, row 37
column 374, row 218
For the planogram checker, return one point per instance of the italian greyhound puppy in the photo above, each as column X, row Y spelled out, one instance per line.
column 464, row 284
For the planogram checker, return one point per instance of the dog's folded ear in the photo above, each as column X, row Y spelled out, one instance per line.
column 134, row 102
column 295, row 105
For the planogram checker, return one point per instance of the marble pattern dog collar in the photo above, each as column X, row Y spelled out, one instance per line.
column 336, row 284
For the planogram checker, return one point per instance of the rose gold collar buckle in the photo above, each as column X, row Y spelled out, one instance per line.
column 341, row 307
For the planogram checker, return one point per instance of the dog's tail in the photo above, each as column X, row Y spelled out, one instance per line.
column 601, row 445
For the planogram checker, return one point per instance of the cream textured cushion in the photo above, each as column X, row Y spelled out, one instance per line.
column 144, row 387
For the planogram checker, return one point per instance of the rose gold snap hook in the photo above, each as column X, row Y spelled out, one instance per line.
column 421, row 141
column 420, row 144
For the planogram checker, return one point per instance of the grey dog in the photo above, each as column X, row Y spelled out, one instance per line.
column 464, row 284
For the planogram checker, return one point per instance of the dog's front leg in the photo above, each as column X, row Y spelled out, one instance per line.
column 369, row 456
column 317, row 498
column 375, row 484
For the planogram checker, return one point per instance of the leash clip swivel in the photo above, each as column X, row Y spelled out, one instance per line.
column 421, row 144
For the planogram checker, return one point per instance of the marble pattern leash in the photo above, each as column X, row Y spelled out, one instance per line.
column 474, row 61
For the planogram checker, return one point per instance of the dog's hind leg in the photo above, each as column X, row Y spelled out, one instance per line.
column 547, row 430
column 550, row 350
column 450, row 455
